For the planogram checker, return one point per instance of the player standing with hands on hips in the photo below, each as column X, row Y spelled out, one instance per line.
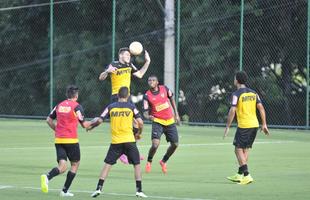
column 244, row 103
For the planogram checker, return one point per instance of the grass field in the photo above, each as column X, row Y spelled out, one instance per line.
column 279, row 164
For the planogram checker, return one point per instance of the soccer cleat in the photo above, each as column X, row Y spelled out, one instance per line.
column 141, row 194
column 235, row 178
column 123, row 159
column 96, row 193
column 246, row 180
column 44, row 183
column 163, row 166
column 66, row 194
column 148, row 167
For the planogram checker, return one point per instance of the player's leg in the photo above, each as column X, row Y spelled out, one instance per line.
column 239, row 145
column 74, row 155
column 113, row 154
column 251, row 135
column 172, row 137
column 133, row 155
column 62, row 166
column 157, row 130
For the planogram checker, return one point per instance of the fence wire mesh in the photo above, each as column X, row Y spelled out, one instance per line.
column 274, row 54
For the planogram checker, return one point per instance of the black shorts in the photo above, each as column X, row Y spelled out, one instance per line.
column 70, row 151
column 114, row 98
column 244, row 137
column 130, row 149
column 170, row 132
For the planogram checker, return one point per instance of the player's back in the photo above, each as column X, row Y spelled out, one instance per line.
column 121, row 119
column 246, row 108
column 67, row 121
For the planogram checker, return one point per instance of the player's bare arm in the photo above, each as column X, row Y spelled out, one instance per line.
column 105, row 74
column 262, row 112
column 176, row 113
column 51, row 123
column 140, row 128
column 94, row 123
column 146, row 113
column 230, row 118
column 142, row 71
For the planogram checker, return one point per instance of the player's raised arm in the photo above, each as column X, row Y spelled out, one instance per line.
column 105, row 74
column 140, row 73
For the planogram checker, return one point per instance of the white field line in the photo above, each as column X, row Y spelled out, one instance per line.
column 111, row 194
column 147, row 146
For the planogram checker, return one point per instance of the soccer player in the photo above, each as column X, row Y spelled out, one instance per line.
column 244, row 103
column 159, row 107
column 121, row 116
column 120, row 72
column 68, row 113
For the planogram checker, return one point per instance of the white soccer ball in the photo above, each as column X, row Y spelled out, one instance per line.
column 135, row 48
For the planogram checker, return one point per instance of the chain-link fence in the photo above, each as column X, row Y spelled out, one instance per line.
column 267, row 39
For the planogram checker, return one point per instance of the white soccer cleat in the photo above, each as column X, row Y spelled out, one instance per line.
column 66, row 194
column 96, row 193
column 141, row 194
column 44, row 183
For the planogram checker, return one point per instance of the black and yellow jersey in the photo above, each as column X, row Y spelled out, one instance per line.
column 122, row 76
column 121, row 116
column 245, row 100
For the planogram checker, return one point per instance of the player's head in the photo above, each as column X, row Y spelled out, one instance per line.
column 124, row 55
column 72, row 92
column 152, row 81
column 240, row 78
column 123, row 93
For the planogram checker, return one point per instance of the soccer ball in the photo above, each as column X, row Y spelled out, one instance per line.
column 135, row 48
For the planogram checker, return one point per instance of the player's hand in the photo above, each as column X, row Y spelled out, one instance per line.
column 147, row 57
column 226, row 132
column 138, row 136
column 264, row 129
column 177, row 119
column 151, row 117
column 111, row 69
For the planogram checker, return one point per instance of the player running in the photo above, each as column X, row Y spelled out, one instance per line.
column 68, row 113
column 160, row 108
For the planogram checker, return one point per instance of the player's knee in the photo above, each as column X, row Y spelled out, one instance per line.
column 174, row 145
column 155, row 145
column 62, row 168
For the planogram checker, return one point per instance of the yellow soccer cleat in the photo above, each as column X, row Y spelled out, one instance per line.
column 246, row 180
column 235, row 178
column 44, row 183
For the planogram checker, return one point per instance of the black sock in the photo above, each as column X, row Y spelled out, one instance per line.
column 165, row 158
column 245, row 170
column 54, row 172
column 70, row 177
column 100, row 184
column 150, row 158
column 240, row 170
column 139, row 186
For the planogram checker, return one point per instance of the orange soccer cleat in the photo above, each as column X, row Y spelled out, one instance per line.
column 163, row 166
column 148, row 167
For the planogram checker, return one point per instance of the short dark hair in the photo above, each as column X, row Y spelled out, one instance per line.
column 241, row 77
column 72, row 91
column 121, row 50
column 123, row 92
column 154, row 76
